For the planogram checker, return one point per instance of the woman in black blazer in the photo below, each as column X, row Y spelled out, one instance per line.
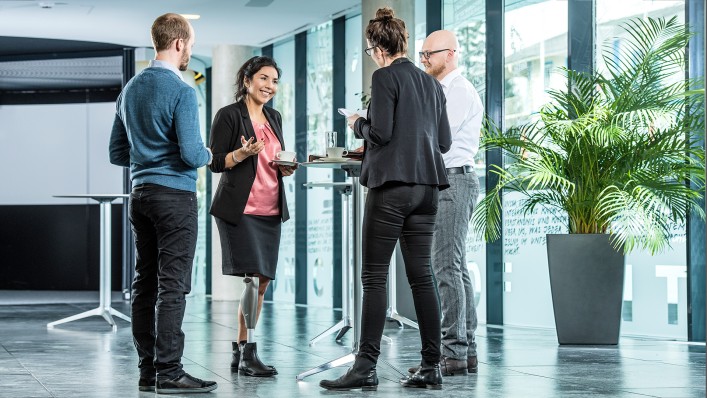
column 249, row 205
column 406, row 132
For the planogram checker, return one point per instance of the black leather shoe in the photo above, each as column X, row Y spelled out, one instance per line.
column 472, row 364
column 250, row 364
column 146, row 384
column 452, row 367
column 428, row 376
column 184, row 384
column 361, row 375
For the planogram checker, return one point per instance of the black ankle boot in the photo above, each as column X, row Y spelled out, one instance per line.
column 428, row 376
column 361, row 375
column 237, row 348
column 236, row 355
column 250, row 365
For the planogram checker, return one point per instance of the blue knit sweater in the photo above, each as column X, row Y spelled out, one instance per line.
column 156, row 131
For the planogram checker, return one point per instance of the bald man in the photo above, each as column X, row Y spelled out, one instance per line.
column 440, row 55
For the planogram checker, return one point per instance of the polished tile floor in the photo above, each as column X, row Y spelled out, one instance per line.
column 86, row 359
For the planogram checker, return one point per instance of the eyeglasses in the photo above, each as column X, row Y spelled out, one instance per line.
column 369, row 50
column 428, row 54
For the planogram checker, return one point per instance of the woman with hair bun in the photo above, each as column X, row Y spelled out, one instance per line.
column 249, row 205
column 405, row 134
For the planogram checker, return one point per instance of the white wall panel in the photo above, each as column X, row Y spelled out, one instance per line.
column 103, row 177
column 48, row 150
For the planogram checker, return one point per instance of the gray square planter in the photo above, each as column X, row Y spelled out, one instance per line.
column 586, row 279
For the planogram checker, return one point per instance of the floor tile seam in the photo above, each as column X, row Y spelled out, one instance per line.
column 227, row 381
column 347, row 350
column 221, row 324
column 29, row 372
column 662, row 362
column 586, row 385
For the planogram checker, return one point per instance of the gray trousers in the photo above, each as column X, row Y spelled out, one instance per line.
column 456, row 293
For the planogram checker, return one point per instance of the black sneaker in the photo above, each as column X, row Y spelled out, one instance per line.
column 145, row 384
column 184, row 384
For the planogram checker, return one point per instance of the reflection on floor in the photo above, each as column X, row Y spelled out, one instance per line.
column 85, row 359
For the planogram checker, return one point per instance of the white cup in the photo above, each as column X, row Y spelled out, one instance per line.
column 286, row 156
column 336, row 152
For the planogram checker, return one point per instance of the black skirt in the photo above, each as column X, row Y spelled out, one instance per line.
column 250, row 247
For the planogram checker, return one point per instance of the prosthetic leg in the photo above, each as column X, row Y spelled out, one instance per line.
column 249, row 364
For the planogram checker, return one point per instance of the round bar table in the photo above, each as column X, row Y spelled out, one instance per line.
column 104, row 307
column 353, row 171
column 343, row 326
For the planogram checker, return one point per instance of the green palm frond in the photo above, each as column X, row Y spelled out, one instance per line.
column 612, row 152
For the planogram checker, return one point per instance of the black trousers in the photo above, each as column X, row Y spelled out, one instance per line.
column 164, row 223
column 406, row 212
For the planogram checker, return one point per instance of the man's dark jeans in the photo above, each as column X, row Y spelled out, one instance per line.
column 164, row 223
column 406, row 212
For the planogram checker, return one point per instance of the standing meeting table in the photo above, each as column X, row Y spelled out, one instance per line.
column 343, row 326
column 353, row 171
column 104, row 306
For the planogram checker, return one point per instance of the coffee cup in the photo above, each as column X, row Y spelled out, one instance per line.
column 286, row 156
column 336, row 152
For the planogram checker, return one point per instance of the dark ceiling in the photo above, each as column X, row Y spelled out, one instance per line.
column 49, row 64
column 23, row 48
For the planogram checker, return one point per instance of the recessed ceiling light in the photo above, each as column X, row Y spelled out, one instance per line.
column 191, row 16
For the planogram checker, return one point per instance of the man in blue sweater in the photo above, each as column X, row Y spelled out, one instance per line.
column 156, row 134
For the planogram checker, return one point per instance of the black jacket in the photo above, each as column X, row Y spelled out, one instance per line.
column 407, row 128
column 230, row 123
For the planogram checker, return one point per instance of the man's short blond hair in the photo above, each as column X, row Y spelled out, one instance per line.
column 168, row 28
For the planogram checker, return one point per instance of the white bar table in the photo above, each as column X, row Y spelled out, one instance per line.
column 353, row 170
column 343, row 326
column 104, row 307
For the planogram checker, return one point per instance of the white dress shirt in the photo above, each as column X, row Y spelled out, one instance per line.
column 465, row 112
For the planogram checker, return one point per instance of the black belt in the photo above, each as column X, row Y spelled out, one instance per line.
column 460, row 170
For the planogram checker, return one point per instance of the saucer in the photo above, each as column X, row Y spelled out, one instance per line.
column 284, row 162
column 336, row 160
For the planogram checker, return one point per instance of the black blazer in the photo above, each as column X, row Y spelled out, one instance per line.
column 230, row 123
column 407, row 128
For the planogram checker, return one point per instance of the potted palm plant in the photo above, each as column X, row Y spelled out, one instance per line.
column 611, row 154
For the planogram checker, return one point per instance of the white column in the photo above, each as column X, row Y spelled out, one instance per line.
column 226, row 61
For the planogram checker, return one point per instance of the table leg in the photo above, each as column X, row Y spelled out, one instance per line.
column 357, row 196
column 345, row 323
column 104, row 296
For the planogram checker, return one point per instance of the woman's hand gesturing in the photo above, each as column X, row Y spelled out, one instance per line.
column 252, row 146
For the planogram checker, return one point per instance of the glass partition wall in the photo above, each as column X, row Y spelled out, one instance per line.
column 284, row 284
column 533, row 51
column 466, row 18
column 354, row 74
column 320, row 211
column 655, row 287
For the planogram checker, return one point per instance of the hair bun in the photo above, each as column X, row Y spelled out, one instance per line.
column 385, row 14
